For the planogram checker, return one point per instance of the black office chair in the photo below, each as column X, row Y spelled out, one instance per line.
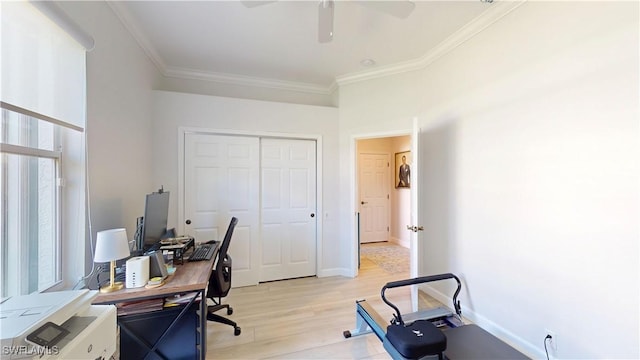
column 220, row 282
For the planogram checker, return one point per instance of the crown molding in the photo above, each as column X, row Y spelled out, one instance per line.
column 333, row 87
column 243, row 80
column 495, row 12
column 127, row 20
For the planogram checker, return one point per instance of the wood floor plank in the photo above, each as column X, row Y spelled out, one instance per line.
column 304, row 318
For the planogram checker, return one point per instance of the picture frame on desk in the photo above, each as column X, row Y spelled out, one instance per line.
column 157, row 267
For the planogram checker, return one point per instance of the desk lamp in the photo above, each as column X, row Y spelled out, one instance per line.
column 111, row 245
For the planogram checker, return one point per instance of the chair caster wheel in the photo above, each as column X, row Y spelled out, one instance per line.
column 236, row 331
column 229, row 311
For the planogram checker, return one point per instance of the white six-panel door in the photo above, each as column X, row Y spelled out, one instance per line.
column 288, row 228
column 221, row 180
column 373, row 184
column 273, row 195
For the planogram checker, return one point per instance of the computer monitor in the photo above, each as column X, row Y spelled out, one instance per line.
column 154, row 223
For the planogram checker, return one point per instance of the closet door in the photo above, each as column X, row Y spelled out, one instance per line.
column 288, row 209
column 221, row 180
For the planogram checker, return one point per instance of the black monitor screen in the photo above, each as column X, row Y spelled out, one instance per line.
column 156, row 213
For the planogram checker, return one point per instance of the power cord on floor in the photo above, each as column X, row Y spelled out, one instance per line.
column 548, row 337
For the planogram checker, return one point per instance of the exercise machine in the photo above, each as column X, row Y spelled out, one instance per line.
column 437, row 333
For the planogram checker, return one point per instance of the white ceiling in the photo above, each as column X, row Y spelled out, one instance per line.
column 277, row 42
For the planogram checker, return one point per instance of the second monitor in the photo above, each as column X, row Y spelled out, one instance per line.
column 154, row 223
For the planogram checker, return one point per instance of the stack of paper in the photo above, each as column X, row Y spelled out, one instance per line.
column 180, row 299
column 141, row 306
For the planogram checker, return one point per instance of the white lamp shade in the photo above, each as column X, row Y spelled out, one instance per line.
column 111, row 245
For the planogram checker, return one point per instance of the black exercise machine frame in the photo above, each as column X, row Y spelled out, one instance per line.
column 397, row 317
column 461, row 340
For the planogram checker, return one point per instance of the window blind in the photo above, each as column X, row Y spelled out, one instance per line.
column 43, row 63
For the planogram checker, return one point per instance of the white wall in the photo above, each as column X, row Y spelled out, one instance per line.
column 174, row 110
column 530, row 172
column 119, row 82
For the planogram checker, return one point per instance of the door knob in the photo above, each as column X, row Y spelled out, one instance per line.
column 188, row 222
column 312, row 215
column 415, row 228
column 363, row 202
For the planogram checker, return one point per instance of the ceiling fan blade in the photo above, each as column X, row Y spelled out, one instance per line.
column 254, row 3
column 399, row 8
column 325, row 21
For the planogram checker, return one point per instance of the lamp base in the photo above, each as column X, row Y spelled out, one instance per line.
column 111, row 288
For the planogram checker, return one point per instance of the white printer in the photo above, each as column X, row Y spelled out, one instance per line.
column 57, row 325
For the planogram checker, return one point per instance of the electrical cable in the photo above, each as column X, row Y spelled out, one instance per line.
column 88, row 206
column 548, row 337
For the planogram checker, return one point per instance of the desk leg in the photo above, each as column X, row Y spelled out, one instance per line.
column 203, row 326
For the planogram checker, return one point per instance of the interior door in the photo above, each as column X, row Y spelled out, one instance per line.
column 417, row 241
column 288, row 209
column 221, row 180
column 373, row 185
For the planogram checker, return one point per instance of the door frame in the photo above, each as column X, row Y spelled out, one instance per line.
column 353, row 190
column 183, row 130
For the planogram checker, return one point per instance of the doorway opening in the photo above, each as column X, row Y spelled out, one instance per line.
column 383, row 203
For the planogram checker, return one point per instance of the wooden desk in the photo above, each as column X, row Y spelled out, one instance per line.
column 188, row 277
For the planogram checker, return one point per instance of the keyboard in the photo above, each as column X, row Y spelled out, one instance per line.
column 202, row 252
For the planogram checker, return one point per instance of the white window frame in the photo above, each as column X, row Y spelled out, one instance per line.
column 12, row 271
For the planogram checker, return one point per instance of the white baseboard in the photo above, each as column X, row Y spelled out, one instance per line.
column 336, row 272
column 404, row 243
column 501, row 333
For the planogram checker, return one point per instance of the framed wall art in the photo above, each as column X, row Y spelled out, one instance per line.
column 403, row 170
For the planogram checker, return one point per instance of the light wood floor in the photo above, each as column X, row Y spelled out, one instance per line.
column 304, row 318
